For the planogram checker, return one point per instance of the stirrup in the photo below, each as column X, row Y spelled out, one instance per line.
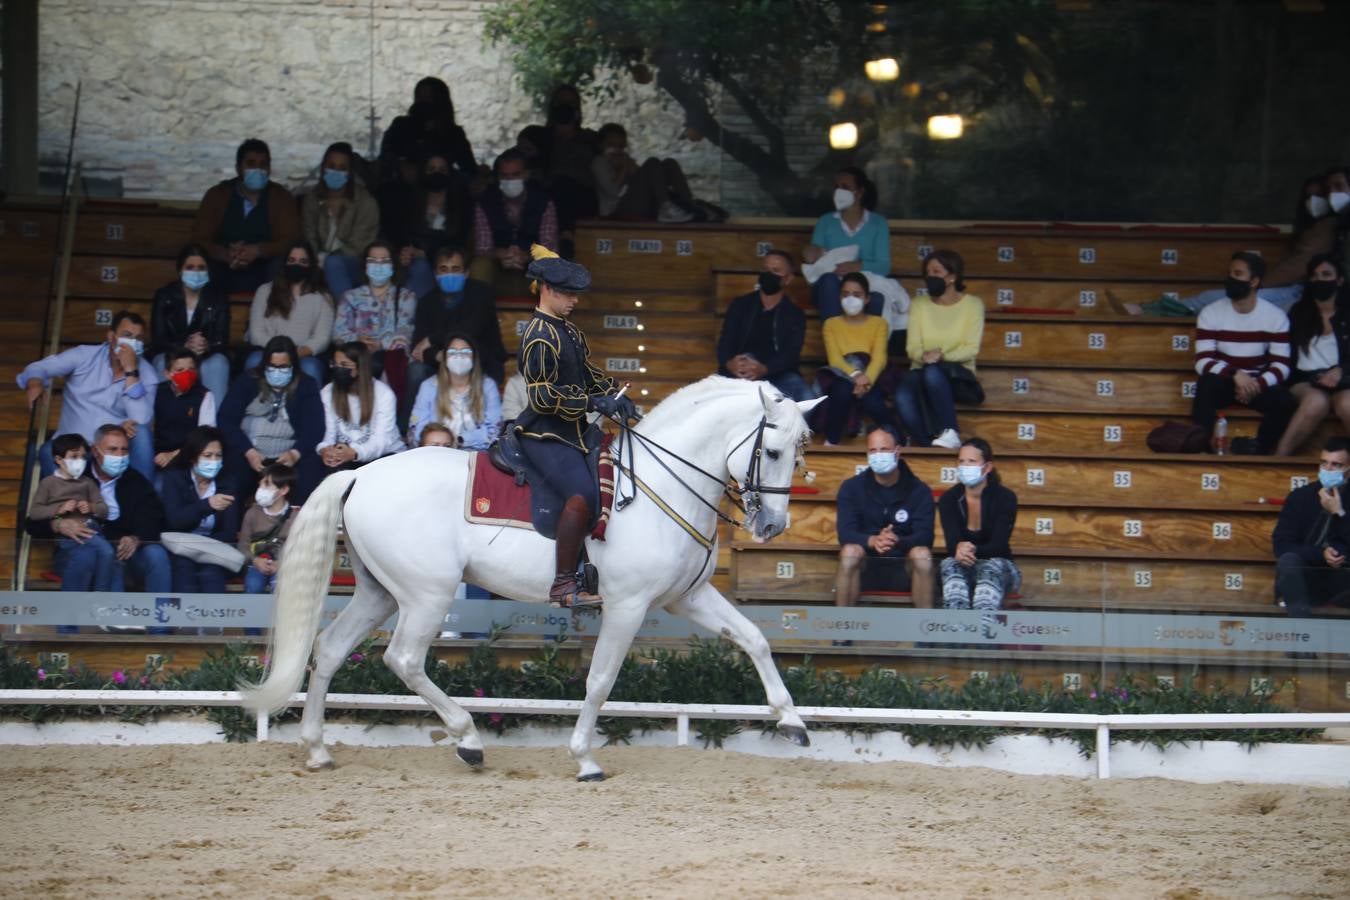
column 567, row 593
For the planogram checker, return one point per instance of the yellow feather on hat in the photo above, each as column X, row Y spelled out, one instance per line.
column 539, row 251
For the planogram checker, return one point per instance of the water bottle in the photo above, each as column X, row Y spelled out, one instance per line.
column 1221, row 436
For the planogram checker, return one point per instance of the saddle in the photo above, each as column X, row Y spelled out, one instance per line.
column 524, row 499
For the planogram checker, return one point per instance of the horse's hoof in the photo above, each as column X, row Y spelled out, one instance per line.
column 323, row 766
column 592, row 776
column 473, row 758
column 794, row 734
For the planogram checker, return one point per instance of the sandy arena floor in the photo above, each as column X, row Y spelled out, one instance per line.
column 246, row 820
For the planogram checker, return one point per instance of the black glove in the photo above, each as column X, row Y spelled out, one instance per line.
column 620, row 408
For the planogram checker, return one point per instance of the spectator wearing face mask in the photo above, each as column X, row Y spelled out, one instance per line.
column 134, row 520
column 340, row 218
column 853, row 223
column 199, row 499
column 885, row 527
column 1312, row 537
column 1313, row 234
column 246, row 222
column 654, row 191
column 84, row 560
column 296, row 304
column 978, row 516
column 428, row 127
column 458, row 305
column 273, row 414
column 945, row 330
column 510, row 217
column 1319, row 335
column 379, row 314
column 265, row 528
column 437, row 211
column 108, row 382
column 359, row 413
column 855, row 344
column 182, row 403
column 763, row 332
column 461, row 397
column 193, row 312
column 1242, row 356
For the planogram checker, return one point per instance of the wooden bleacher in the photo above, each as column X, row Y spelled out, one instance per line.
column 1072, row 388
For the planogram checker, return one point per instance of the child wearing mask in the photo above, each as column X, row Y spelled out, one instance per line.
column 182, row 403
column 265, row 528
column 84, row 563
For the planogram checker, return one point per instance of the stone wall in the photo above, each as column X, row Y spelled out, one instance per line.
column 170, row 87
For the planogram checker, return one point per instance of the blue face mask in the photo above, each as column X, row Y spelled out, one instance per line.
column 113, row 466
column 278, row 376
column 208, row 468
column 1331, row 478
column 255, row 179
column 334, row 179
column 882, row 462
column 135, row 344
column 451, row 282
column 379, row 273
column 970, row 475
column 195, row 281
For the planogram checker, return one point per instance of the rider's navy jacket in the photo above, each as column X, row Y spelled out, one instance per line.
column 865, row 507
column 559, row 377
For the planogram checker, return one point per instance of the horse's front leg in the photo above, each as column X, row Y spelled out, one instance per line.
column 618, row 627
column 706, row 606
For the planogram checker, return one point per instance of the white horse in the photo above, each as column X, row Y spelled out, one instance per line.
column 411, row 547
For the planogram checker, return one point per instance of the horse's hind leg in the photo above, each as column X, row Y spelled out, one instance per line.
column 418, row 625
column 370, row 605
column 707, row 607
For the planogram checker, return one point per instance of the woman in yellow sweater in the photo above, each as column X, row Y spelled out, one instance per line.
column 945, row 328
column 855, row 344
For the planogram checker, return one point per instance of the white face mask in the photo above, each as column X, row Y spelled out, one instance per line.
column 852, row 305
column 459, row 365
column 265, row 496
column 74, row 467
column 1338, row 200
column 512, row 187
column 1318, row 206
column 843, row 199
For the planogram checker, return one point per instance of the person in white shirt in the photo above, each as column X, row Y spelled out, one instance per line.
column 359, row 412
column 1319, row 338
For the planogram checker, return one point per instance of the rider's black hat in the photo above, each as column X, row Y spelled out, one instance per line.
column 559, row 274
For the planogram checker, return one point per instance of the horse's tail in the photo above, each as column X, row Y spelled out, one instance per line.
column 302, row 585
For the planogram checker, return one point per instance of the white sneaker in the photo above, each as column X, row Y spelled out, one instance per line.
column 671, row 213
column 949, row 439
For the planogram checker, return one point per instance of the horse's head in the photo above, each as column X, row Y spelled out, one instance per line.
column 762, row 458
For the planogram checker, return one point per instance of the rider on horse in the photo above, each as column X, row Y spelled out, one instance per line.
column 563, row 385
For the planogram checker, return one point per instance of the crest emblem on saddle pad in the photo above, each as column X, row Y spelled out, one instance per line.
column 481, row 505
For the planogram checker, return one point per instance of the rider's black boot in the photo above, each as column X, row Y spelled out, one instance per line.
column 573, row 523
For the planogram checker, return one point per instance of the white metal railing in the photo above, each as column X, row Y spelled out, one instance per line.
column 682, row 713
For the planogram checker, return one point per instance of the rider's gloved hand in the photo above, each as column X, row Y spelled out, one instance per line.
column 620, row 408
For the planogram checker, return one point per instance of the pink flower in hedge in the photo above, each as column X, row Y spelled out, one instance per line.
column 356, row 657
column 495, row 720
column 42, row 674
column 479, row 692
column 118, row 677
column 145, row 680
column 1092, row 696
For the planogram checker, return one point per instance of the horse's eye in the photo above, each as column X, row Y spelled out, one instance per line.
column 772, row 454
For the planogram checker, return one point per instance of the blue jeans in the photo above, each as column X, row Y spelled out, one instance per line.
column 792, row 385
column 310, row 365
column 825, row 297
column 85, row 567
column 839, row 403
column 142, row 453
column 191, row 577
column 931, row 385
column 149, row 565
column 213, row 372
column 256, row 582
column 342, row 272
column 421, row 279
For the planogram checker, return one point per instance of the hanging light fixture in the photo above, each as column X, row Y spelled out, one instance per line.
column 945, row 128
column 843, row 136
column 884, row 69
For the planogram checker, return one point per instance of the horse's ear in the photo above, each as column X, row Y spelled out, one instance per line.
column 805, row 406
column 764, row 399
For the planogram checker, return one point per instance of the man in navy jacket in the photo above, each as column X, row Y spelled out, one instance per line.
column 1312, row 537
column 885, row 515
column 763, row 332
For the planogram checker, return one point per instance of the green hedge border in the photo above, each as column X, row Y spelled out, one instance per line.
column 711, row 671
